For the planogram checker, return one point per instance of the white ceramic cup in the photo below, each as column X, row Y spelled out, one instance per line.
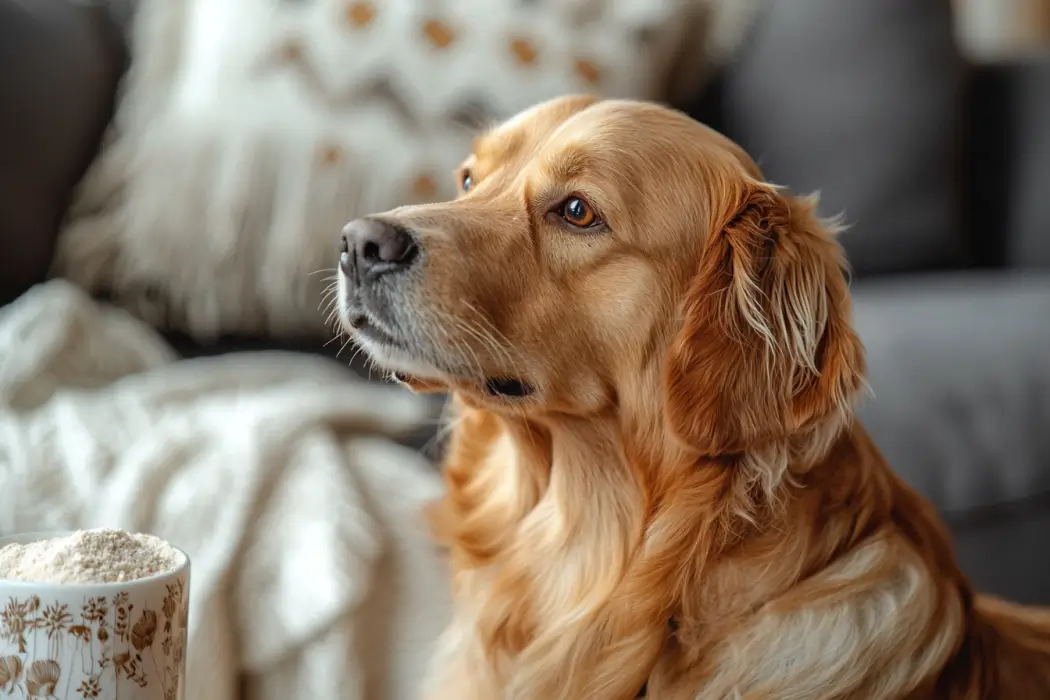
column 106, row 641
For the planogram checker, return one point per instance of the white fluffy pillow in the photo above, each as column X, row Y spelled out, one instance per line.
column 250, row 131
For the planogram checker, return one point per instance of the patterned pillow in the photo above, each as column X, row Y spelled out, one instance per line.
column 250, row 131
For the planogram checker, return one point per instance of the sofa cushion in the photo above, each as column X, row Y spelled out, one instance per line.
column 59, row 66
column 960, row 372
column 859, row 100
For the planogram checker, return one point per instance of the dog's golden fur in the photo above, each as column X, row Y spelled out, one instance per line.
column 684, row 500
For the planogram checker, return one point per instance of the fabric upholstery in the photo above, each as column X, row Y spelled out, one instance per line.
column 1005, row 552
column 1028, row 218
column 59, row 65
column 960, row 372
column 859, row 100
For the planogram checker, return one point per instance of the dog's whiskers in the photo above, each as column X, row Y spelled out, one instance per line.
column 494, row 340
column 464, row 354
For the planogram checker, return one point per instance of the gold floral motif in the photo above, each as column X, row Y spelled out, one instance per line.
column 16, row 620
column 95, row 610
column 90, row 687
column 81, row 633
column 59, row 651
column 55, row 620
column 42, row 678
column 10, row 673
column 144, row 631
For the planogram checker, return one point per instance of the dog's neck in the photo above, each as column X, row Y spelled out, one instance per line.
column 545, row 519
column 501, row 468
column 612, row 471
column 593, row 491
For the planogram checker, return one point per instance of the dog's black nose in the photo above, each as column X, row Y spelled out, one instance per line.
column 377, row 247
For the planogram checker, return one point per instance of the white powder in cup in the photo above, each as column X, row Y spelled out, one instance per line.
column 89, row 556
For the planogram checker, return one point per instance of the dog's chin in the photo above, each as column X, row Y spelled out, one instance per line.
column 420, row 385
column 421, row 377
column 410, row 366
column 402, row 365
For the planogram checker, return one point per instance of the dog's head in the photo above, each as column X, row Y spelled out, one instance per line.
column 611, row 255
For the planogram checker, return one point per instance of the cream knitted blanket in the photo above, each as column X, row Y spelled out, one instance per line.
column 311, row 577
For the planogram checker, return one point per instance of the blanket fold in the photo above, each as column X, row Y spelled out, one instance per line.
column 276, row 472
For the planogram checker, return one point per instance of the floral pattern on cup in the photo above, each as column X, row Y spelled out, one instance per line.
column 110, row 647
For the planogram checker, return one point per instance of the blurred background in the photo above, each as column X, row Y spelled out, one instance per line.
column 926, row 123
column 1002, row 29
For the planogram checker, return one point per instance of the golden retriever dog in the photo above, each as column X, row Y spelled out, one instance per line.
column 655, row 480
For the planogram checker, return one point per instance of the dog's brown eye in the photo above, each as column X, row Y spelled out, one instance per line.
column 466, row 181
column 578, row 212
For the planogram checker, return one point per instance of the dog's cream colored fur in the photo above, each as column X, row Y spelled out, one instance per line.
column 684, row 498
column 249, row 131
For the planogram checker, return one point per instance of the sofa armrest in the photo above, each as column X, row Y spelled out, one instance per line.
column 60, row 62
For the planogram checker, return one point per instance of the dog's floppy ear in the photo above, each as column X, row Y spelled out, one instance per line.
column 767, row 348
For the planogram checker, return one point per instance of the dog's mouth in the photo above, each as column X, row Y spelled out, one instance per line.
column 508, row 387
column 500, row 388
column 369, row 330
column 390, row 350
column 412, row 366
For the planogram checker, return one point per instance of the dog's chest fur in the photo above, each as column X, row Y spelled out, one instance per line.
column 522, row 521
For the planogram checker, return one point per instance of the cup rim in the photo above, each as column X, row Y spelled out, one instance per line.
column 39, row 535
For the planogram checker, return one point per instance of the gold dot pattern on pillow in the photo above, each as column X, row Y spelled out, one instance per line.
column 588, row 71
column 524, row 51
column 330, row 154
column 438, row 33
column 292, row 50
column 424, row 187
column 360, row 14
column 566, row 48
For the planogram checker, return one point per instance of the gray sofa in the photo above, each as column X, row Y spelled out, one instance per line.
column 942, row 169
